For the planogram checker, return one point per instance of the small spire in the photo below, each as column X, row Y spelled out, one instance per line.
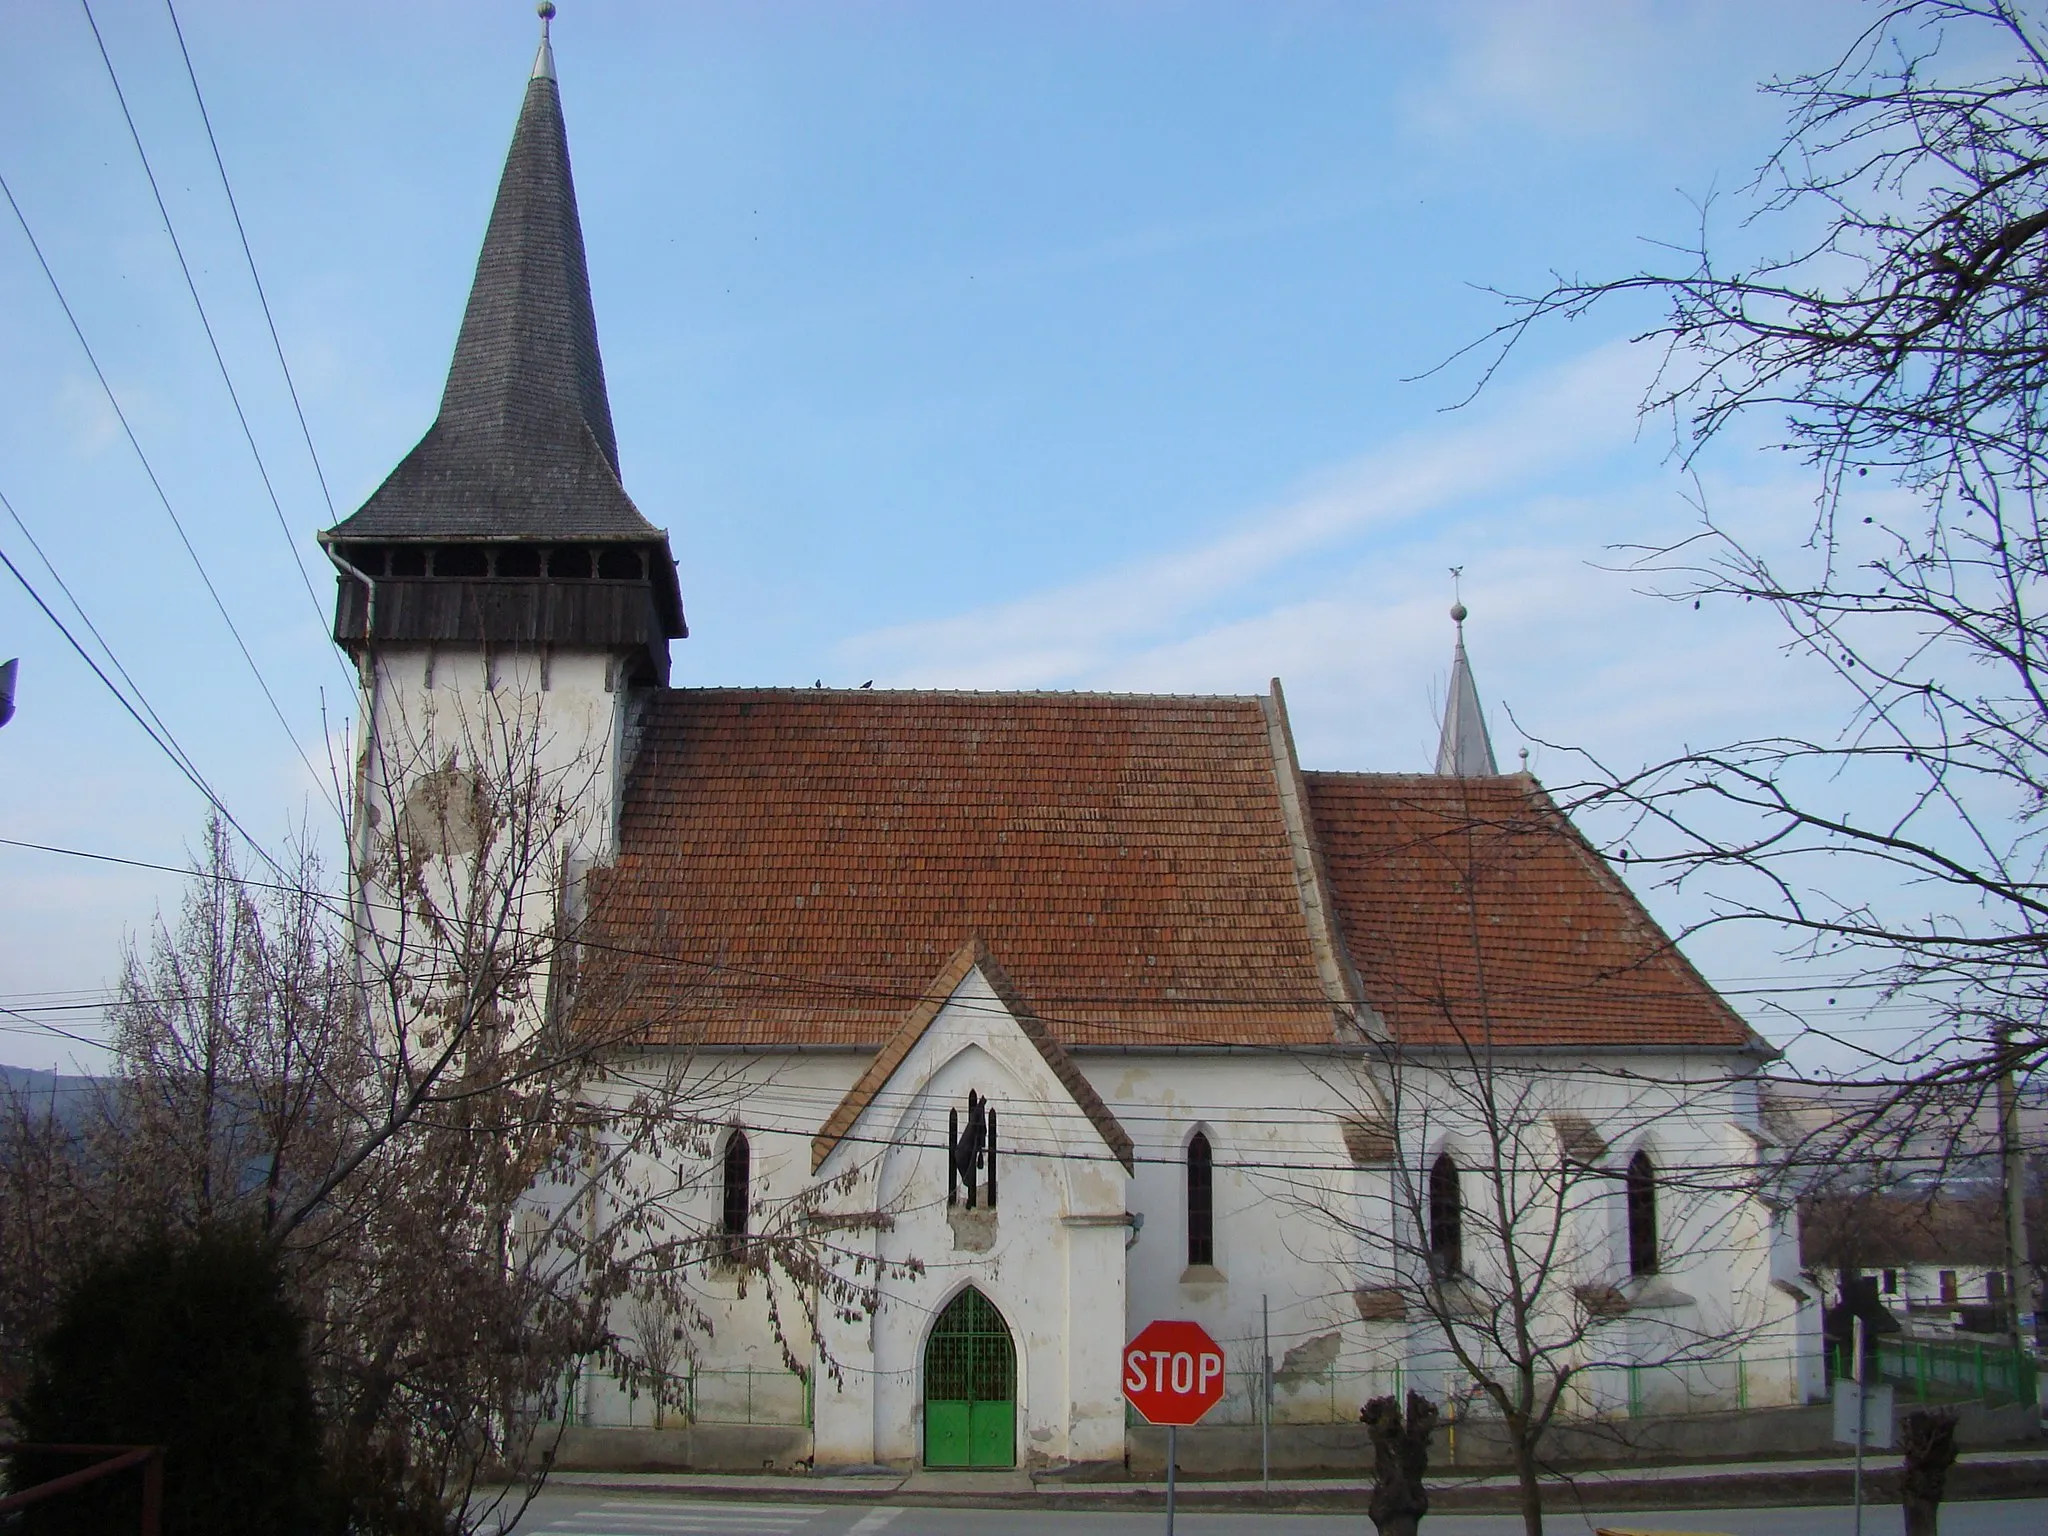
column 544, row 61
column 1464, row 751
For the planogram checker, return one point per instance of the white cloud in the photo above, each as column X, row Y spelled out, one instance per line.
column 1584, row 69
column 1576, row 67
column 1341, row 591
column 1071, row 634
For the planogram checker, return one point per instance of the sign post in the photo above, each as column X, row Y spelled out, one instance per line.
column 1173, row 1374
column 1856, row 1335
column 1863, row 1414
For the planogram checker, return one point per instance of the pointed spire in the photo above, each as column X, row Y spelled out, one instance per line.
column 526, row 358
column 1464, row 751
column 523, row 447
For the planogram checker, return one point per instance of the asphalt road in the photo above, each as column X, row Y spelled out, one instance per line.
column 596, row 1513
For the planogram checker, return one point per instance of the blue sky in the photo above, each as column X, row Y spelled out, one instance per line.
column 1059, row 345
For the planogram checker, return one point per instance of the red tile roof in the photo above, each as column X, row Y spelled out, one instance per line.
column 1472, row 906
column 816, row 856
column 797, row 865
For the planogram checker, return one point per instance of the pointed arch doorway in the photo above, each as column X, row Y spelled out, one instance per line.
column 970, row 1386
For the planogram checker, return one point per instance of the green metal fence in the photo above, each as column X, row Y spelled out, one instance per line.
column 1327, row 1397
column 747, row 1395
column 1934, row 1370
column 1730, row 1382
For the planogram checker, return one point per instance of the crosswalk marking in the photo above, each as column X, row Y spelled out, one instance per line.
column 873, row 1521
column 616, row 1523
column 705, row 1506
column 647, row 1517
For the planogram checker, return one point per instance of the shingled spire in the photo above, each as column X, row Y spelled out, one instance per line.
column 522, row 456
column 1464, row 752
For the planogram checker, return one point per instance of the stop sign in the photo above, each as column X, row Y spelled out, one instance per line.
column 1173, row 1373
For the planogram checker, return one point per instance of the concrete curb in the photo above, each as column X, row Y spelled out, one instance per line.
column 1978, row 1475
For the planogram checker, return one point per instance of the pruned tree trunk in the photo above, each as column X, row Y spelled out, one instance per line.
column 1400, row 1459
column 1927, row 1437
column 1528, row 1489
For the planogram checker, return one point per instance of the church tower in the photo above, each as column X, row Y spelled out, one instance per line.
column 502, row 568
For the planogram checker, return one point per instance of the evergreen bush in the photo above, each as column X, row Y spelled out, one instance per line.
column 191, row 1344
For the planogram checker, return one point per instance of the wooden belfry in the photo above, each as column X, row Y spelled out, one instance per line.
column 970, row 1150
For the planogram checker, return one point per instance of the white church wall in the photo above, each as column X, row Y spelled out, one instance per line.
column 1051, row 1260
column 1273, row 1126
column 542, row 734
column 1297, row 1225
column 1324, row 1243
column 426, row 703
column 740, row 1368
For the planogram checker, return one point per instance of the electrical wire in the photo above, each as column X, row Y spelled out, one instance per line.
column 772, row 982
column 162, row 496
column 205, row 321
column 263, row 298
column 106, row 649
column 173, row 752
column 713, row 970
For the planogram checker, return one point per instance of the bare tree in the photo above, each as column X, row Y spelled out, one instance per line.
column 1899, row 346
column 1548, row 1266
column 1547, row 1233
column 436, row 1097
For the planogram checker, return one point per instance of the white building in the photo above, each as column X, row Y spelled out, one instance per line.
column 1233, row 1021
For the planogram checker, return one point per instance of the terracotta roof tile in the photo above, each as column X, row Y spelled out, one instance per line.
column 1472, row 906
column 815, row 856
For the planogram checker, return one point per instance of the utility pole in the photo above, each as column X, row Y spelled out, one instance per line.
column 1856, row 1342
column 1265, row 1397
column 2013, row 1171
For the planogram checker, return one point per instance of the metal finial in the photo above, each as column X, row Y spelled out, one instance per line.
column 544, row 61
column 1457, row 602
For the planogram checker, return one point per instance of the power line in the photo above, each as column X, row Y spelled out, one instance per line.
column 291, row 385
column 105, row 648
column 163, row 497
column 773, row 981
column 175, row 754
column 192, row 287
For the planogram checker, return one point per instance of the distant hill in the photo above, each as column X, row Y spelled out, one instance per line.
column 64, row 1094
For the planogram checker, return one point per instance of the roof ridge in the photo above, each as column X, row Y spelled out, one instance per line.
column 798, row 690
column 1443, row 782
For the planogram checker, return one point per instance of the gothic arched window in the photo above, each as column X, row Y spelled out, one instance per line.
column 1446, row 1219
column 1641, row 1181
column 1201, row 1202
column 738, row 1172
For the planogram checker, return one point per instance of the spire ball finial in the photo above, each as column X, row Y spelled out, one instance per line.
column 1457, row 613
column 544, row 61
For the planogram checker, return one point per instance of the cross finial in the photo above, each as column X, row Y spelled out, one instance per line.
column 1457, row 601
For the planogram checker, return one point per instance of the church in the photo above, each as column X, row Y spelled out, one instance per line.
column 1083, row 1010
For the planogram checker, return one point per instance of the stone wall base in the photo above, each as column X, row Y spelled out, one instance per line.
column 1734, row 1436
column 1229, row 1450
column 700, row 1448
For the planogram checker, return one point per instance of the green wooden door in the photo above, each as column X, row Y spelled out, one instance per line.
column 970, row 1387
